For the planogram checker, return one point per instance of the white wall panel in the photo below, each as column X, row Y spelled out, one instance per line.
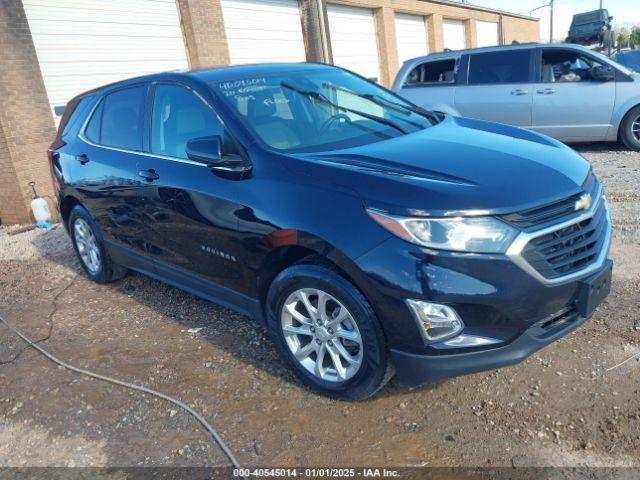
column 353, row 39
column 263, row 31
column 83, row 44
column 411, row 36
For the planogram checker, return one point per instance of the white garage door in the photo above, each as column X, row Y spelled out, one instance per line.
column 487, row 33
column 411, row 36
column 453, row 34
column 263, row 31
column 83, row 44
column 353, row 39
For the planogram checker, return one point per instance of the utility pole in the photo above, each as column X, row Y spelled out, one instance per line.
column 551, row 22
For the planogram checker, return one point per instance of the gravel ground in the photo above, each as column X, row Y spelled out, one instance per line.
column 568, row 405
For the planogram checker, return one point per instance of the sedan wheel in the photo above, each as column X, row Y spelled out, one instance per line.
column 635, row 129
column 87, row 245
column 322, row 335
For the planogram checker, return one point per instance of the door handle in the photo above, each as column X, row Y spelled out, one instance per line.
column 84, row 158
column 519, row 92
column 149, row 175
column 546, row 91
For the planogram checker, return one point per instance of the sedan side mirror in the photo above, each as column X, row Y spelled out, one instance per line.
column 207, row 150
column 603, row 73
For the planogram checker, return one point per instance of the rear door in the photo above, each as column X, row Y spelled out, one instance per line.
column 103, row 169
column 499, row 87
column 568, row 103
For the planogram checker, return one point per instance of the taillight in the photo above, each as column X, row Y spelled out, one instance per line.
column 52, row 154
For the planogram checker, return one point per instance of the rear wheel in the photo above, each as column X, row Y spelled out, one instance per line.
column 327, row 332
column 89, row 247
column 630, row 129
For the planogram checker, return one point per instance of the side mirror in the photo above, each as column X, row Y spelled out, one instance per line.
column 603, row 73
column 206, row 150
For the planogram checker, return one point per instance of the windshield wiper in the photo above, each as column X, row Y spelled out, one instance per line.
column 321, row 98
column 398, row 107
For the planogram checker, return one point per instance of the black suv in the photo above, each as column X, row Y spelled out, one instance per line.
column 369, row 235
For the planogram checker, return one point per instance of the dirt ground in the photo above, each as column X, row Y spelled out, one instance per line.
column 568, row 405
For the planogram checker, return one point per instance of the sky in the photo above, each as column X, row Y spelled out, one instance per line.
column 623, row 11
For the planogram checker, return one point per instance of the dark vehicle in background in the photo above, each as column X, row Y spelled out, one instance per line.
column 366, row 233
column 629, row 59
column 590, row 27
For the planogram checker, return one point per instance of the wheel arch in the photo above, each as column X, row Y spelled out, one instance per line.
column 626, row 110
column 66, row 205
column 310, row 249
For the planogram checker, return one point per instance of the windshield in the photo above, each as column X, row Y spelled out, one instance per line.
column 320, row 110
column 630, row 60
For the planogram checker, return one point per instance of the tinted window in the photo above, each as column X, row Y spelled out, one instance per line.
column 566, row 66
column 499, row 67
column 433, row 72
column 93, row 127
column 122, row 118
column 179, row 115
column 72, row 115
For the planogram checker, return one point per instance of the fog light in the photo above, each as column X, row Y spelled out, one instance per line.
column 435, row 321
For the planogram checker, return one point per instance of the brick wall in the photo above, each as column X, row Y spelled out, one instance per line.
column 204, row 34
column 26, row 123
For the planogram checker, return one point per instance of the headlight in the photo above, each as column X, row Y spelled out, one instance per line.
column 460, row 234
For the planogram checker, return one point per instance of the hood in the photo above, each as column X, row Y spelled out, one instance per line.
column 455, row 167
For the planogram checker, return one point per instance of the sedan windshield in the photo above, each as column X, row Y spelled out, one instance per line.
column 320, row 110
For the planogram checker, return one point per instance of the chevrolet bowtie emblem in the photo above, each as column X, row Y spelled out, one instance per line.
column 583, row 203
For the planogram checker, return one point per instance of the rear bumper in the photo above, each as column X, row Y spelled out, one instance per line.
column 413, row 370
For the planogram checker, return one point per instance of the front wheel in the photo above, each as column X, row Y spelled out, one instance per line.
column 327, row 332
column 630, row 129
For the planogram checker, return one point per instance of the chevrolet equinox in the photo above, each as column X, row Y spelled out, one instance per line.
column 370, row 236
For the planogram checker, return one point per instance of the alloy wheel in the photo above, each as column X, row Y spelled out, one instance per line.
column 635, row 129
column 87, row 245
column 322, row 335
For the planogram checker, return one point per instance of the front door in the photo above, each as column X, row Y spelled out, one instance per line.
column 195, row 221
column 499, row 88
column 568, row 103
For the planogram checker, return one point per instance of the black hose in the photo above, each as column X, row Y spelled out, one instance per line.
column 214, row 434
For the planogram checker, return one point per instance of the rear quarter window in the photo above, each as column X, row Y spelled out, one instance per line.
column 74, row 114
column 442, row 71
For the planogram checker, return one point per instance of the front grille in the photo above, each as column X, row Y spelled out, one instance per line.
column 556, row 212
column 569, row 249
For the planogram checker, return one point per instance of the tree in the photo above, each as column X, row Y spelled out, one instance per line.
column 623, row 37
column 635, row 36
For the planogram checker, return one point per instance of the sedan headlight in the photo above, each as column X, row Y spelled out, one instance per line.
column 459, row 234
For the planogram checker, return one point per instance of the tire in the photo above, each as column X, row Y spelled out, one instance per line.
column 630, row 129
column 99, row 267
column 355, row 381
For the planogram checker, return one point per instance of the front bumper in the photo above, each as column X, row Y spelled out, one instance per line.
column 413, row 369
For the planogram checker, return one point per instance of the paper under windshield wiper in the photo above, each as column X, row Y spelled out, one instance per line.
column 321, row 98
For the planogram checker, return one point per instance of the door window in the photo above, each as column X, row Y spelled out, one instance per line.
column 433, row 72
column 566, row 66
column 500, row 67
column 179, row 115
column 122, row 118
